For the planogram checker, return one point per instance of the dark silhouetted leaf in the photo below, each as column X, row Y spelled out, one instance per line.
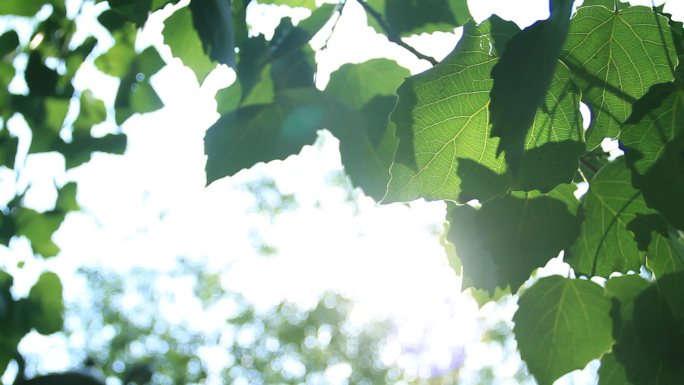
column 522, row 78
column 213, row 21
column 523, row 231
column 561, row 325
column 654, row 151
column 406, row 17
column 479, row 270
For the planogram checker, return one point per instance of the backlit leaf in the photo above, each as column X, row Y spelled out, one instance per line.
column 523, row 231
column 612, row 208
column 442, row 119
column 654, row 151
column 561, row 325
column 522, row 78
column 615, row 57
column 356, row 84
column 185, row 43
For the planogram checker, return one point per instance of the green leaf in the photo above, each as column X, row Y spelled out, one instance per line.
column 185, row 43
column 367, row 144
column 45, row 304
column 671, row 287
column 479, row 270
column 118, row 59
column 310, row 4
column 92, row 112
column 135, row 11
column 483, row 297
column 631, row 363
column 624, row 289
column 654, row 151
column 445, row 151
column 39, row 227
column 8, row 148
column 610, row 4
column 444, row 148
column 21, row 8
column 9, row 41
column 407, row 17
column 522, row 78
column 213, row 21
column 615, row 57
column 562, row 324
column 136, row 94
column 523, row 231
column 356, row 84
column 261, row 133
column 613, row 209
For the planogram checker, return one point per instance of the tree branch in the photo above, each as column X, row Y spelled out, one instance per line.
column 394, row 38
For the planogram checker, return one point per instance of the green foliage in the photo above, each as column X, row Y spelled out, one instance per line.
column 561, row 325
column 437, row 135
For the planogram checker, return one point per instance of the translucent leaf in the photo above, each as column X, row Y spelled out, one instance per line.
column 261, row 133
column 562, row 324
column 613, row 210
column 654, row 151
column 185, row 43
column 356, row 84
column 445, row 151
column 615, row 57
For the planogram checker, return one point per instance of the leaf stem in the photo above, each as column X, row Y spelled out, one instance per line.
column 393, row 37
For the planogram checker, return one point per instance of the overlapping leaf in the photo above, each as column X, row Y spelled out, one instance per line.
column 561, row 325
column 406, row 17
column 186, row 44
column 653, row 151
column 356, row 84
column 613, row 209
column 650, row 349
column 522, row 78
column 261, row 133
column 213, row 21
column 522, row 231
column 442, row 119
column 479, row 270
column 615, row 57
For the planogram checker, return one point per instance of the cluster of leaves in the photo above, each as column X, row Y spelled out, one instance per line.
column 438, row 135
column 283, row 344
column 503, row 90
column 60, row 119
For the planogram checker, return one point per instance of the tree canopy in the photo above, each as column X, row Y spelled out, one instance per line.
column 495, row 129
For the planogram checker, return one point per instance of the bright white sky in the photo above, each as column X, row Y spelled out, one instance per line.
column 150, row 205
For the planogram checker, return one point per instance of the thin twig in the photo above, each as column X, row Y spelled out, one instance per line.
column 332, row 31
column 394, row 38
column 667, row 52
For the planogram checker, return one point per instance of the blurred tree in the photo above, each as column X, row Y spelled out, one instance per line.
column 130, row 332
